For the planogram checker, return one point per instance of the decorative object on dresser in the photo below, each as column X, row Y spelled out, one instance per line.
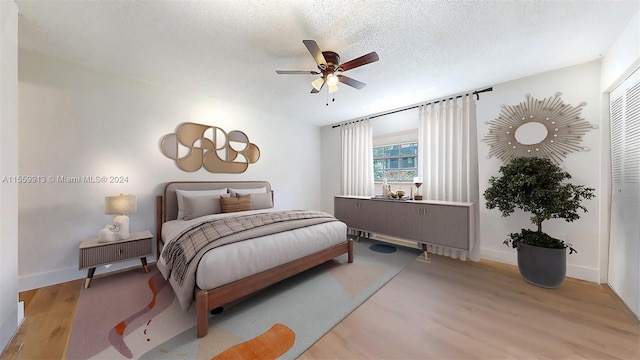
column 211, row 147
column 93, row 253
column 537, row 185
column 417, row 181
column 202, row 257
column 447, row 224
column 118, row 205
column 537, row 128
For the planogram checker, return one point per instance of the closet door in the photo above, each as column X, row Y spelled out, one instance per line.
column 624, row 248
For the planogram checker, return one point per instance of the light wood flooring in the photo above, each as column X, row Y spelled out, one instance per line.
column 49, row 314
column 445, row 309
column 448, row 309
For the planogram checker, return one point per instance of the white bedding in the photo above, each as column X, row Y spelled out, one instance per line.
column 238, row 260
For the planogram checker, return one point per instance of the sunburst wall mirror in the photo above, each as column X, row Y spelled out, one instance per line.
column 542, row 128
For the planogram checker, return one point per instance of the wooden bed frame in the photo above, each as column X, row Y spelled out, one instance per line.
column 207, row 300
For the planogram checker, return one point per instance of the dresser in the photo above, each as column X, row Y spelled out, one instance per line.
column 443, row 223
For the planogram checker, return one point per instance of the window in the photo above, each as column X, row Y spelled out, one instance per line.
column 397, row 163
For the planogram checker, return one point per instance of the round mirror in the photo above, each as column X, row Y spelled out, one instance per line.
column 531, row 133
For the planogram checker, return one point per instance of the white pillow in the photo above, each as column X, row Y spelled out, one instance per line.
column 181, row 193
column 261, row 201
column 196, row 206
column 240, row 192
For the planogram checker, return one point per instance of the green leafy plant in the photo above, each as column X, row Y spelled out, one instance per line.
column 537, row 186
column 536, row 238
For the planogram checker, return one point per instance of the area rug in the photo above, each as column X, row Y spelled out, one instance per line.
column 135, row 315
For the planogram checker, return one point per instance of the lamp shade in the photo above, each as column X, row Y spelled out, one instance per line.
column 332, row 80
column 120, row 204
column 317, row 83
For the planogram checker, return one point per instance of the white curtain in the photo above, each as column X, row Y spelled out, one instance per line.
column 448, row 160
column 357, row 158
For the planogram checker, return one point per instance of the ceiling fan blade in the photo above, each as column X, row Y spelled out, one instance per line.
column 351, row 82
column 362, row 60
column 295, row 72
column 314, row 50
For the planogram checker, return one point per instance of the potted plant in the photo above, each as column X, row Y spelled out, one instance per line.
column 537, row 186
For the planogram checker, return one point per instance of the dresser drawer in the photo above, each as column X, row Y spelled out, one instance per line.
column 107, row 253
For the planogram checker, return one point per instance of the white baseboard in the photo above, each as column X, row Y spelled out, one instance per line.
column 8, row 328
column 397, row 241
column 583, row 273
column 20, row 313
column 34, row 281
column 505, row 257
column 573, row 271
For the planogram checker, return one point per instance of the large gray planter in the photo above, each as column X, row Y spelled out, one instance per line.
column 542, row 266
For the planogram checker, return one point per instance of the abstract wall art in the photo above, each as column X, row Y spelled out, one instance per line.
column 194, row 146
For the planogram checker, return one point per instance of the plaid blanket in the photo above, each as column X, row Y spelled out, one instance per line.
column 179, row 253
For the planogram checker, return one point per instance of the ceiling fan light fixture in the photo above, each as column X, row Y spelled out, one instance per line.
column 332, row 80
column 317, row 83
column 333, row 88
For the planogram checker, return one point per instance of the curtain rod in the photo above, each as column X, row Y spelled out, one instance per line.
column 476, row 93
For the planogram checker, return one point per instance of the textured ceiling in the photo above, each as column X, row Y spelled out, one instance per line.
column 229, row 50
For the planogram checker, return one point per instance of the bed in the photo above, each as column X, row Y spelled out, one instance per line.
column 216, row 254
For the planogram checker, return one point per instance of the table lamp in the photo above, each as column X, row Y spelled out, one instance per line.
column 118, row 205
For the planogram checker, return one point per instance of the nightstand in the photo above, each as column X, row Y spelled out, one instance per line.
column 93, row 253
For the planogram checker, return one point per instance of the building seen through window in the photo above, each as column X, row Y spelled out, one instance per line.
column 396, row 162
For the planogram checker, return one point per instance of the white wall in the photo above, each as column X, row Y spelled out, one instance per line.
column 77, row 121
column 8, row 166
column 331, row 164
column 578, row 83
column 623, row 56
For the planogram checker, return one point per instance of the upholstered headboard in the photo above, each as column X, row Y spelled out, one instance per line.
column 170, row 202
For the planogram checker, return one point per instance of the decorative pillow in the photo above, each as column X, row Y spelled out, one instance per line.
column 233, row 204
column 196, row 206
column 261, row 201
column 240, row 192
column 181, row 193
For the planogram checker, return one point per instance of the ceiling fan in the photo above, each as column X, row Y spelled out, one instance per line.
column 329, row 67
